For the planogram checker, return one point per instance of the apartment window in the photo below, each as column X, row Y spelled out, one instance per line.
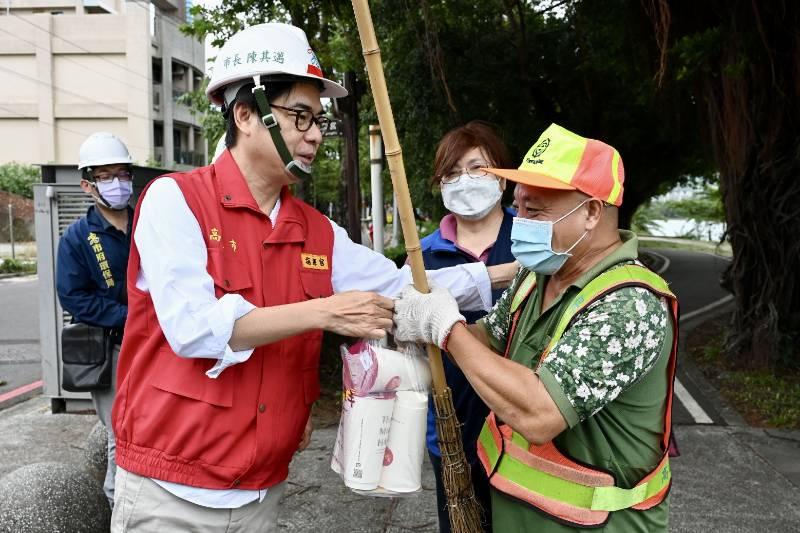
column 156, row 70
column 180, row 80
column 198, row 78
column 158, row 142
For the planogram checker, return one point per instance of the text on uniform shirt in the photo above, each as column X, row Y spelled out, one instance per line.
column 100, row 255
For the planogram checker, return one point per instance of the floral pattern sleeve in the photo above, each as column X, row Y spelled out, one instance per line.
column 611, row 345
column 498, row 322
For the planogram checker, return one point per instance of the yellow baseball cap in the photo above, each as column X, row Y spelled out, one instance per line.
column 564, row 160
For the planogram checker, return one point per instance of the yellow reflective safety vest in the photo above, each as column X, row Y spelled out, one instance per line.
column 576, row 494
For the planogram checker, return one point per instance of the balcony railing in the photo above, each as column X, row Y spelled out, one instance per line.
column 186, row 157
column 177, row 93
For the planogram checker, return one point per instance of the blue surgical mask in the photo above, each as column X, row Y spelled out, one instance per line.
column 532, row 244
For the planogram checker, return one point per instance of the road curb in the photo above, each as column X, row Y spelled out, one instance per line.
column 17, row 275
column 724, row 409
column 654, row 260
column 20, row 394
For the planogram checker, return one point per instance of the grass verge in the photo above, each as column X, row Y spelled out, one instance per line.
column 763, row 398
column 17, row 266
column 723, row 249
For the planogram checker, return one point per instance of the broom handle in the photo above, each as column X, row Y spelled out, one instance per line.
column 394, row 156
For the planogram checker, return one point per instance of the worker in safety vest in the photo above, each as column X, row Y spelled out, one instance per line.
column 576, row 360
column 231, row 281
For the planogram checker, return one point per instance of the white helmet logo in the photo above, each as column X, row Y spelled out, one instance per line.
column 266, row 50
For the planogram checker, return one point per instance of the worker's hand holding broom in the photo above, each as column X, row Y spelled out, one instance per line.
column 426, row 318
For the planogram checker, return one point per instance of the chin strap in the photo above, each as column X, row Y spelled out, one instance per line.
column 103, row 201
column 296, row 168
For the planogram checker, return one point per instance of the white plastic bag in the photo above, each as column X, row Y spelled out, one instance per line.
column 370, row 368
column 380, row 443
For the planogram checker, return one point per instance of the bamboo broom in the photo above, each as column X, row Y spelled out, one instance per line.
column 463, row 508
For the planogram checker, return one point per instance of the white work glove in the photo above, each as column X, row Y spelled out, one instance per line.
column 426, row 318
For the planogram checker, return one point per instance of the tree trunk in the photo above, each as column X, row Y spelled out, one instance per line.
column 750, row 86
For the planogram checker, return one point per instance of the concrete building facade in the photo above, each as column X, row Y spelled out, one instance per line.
column 72, row 67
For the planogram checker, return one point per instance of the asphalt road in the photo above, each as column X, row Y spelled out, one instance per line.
column 694, row 277
column 20, row 358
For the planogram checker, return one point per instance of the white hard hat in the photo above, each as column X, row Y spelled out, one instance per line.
column 103, row 148
column 219, row 149
column 270, row 49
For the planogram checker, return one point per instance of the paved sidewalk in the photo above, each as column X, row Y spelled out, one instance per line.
column 728, row 479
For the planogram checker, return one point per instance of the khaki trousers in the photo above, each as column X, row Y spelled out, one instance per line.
column 141, row 505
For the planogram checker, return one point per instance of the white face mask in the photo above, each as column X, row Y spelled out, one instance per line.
column 471, row 198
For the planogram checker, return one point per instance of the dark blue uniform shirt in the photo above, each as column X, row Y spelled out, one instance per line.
column 91, row 270
column 438, row 252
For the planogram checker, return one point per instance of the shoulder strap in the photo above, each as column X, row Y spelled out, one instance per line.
column 521, row 294
column 524, row 289
column 608, row 282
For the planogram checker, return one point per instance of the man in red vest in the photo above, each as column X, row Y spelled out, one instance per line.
column 231, row 281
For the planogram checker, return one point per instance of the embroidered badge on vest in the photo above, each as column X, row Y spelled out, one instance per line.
column 316, row 262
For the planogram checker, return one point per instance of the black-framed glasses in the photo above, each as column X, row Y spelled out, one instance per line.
column 303, row 118
column 475, row 171
column 108, row 177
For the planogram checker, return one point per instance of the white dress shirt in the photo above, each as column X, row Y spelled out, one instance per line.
column 196, row 323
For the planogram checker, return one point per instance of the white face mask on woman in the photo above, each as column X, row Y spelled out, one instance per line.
column 472, row 198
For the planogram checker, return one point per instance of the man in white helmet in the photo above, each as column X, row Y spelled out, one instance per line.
column 232, row 281
column 93, row 258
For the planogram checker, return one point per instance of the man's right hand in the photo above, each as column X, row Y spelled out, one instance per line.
column 357, row 314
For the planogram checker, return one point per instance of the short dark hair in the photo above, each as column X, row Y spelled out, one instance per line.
column 458, row 141
column 274, row 88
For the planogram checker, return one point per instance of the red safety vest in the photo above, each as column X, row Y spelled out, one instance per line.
column 240, row 430
column 543, row 477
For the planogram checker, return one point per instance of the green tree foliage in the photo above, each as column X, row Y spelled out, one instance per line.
column 705, row 205
column 18, row 178
column 519, row 67
column 514, row 64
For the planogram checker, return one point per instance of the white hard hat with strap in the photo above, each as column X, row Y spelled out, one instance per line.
column 103, row 148
column 258, row 53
